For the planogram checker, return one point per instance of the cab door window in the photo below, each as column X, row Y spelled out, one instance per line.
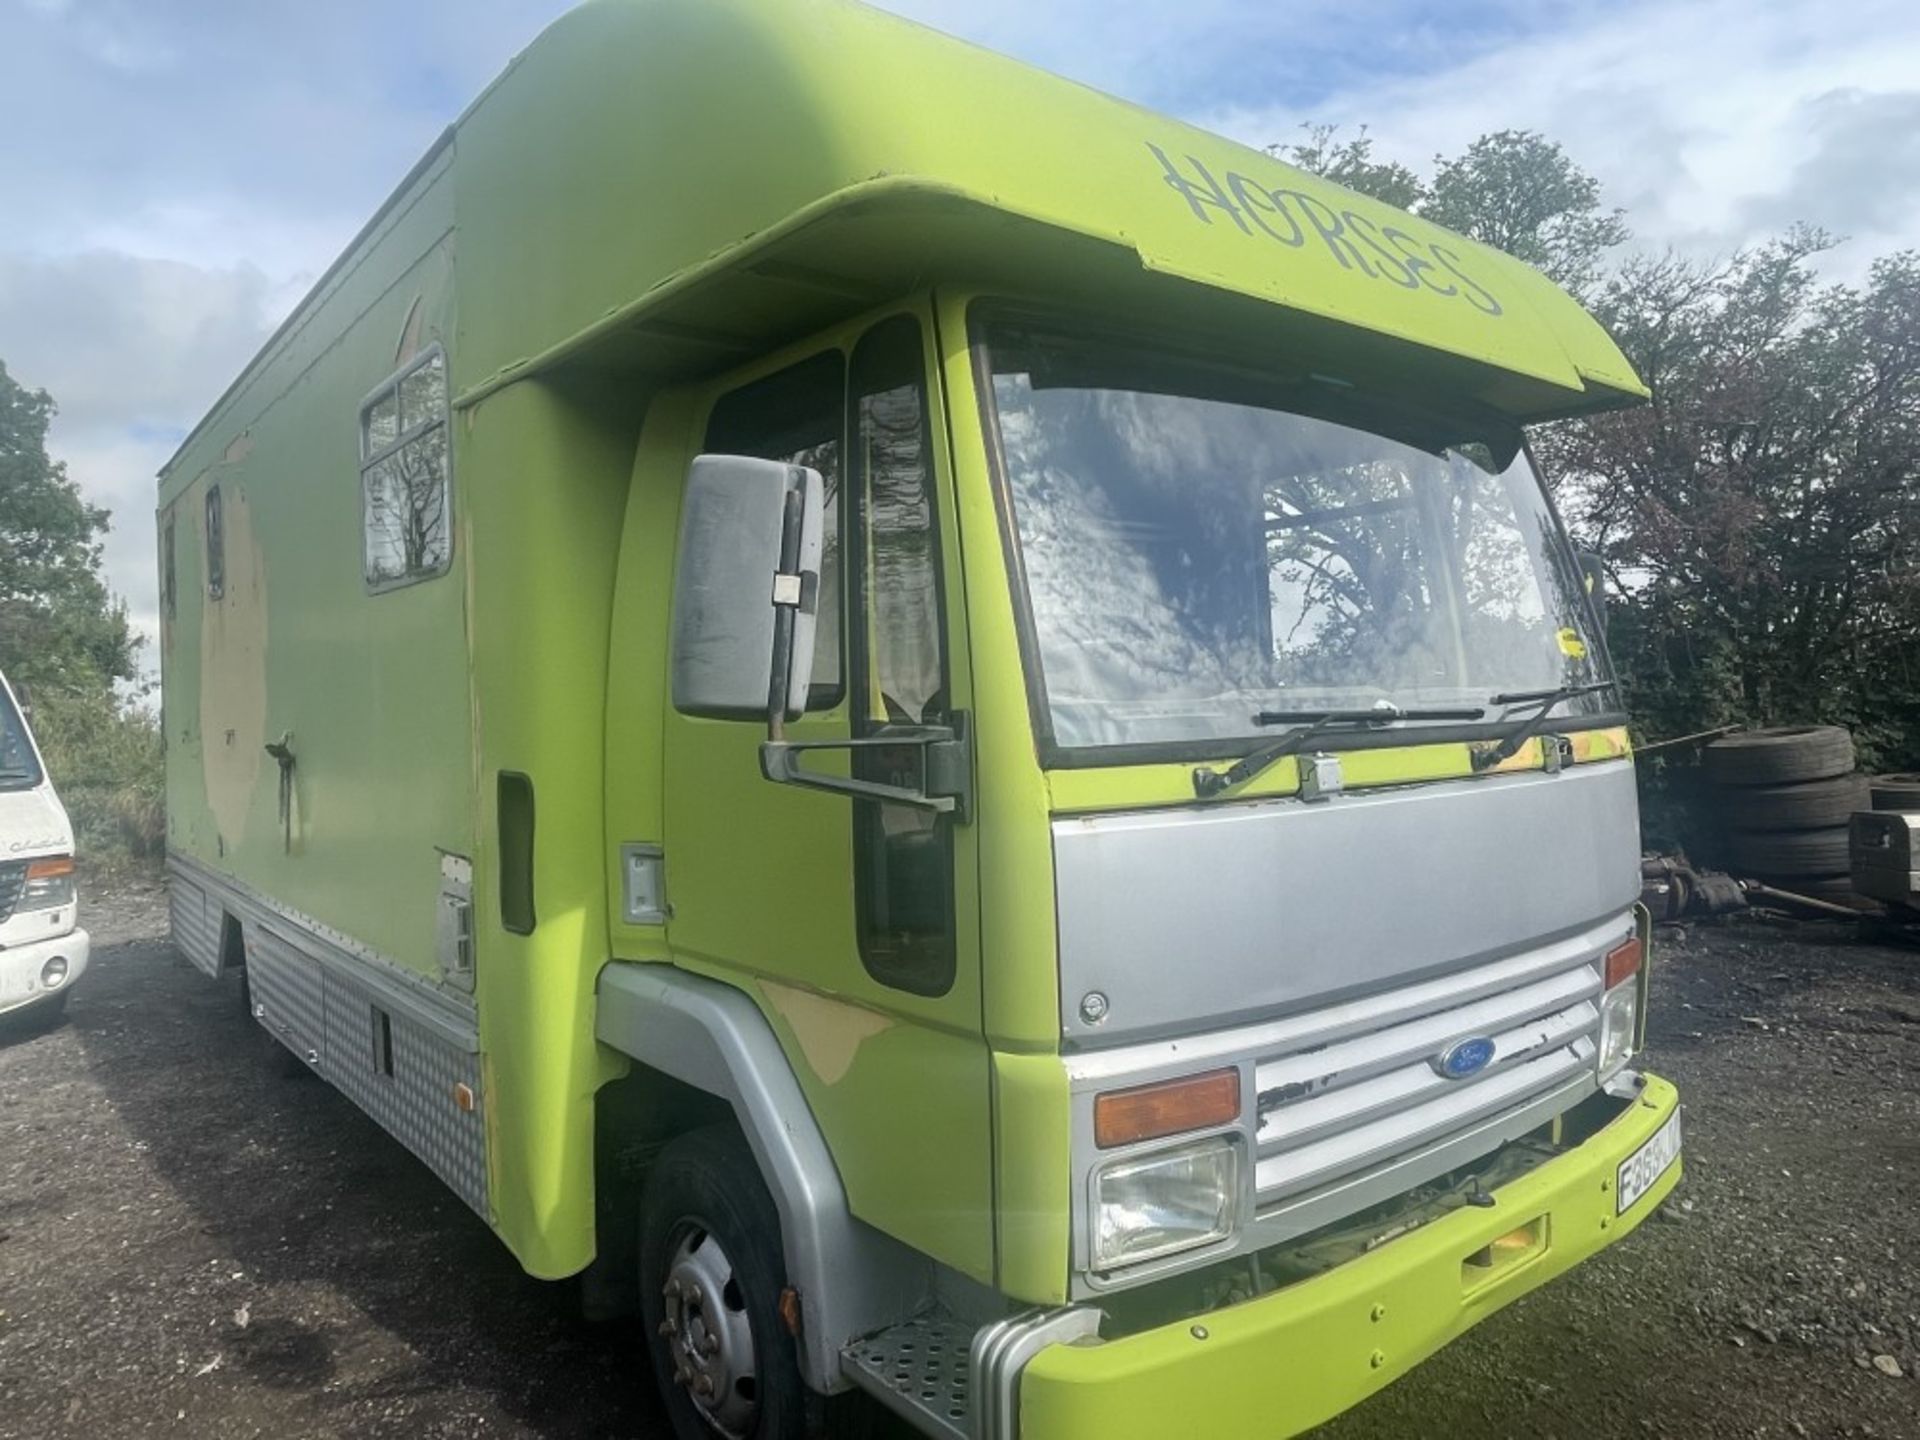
column 903, row 857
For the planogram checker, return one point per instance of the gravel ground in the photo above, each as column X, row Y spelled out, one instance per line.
column 191, row 1246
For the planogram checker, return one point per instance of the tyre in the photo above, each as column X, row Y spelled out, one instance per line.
column 1780, row 757
column 712, row 1275
column 1895, row 792
column 1796, row 853
column 1809, row 805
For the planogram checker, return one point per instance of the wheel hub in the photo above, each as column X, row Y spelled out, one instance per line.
column 709, row 1341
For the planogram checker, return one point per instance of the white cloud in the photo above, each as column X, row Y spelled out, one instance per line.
column 118, row 43
column 123, row 341
column 1859, row 171
column 132, row 350
column 118, row 471
column 159, row 227
column 174, row 217
column 1715, row 124
column 1191, row 56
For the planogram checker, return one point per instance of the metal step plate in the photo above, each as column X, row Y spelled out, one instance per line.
column 919, row 1371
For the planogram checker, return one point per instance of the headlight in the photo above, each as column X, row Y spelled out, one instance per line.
column 1619, row 1020
column 1163, row 1203
column 49, row 884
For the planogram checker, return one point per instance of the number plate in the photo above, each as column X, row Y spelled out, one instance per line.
column 1647, row 1164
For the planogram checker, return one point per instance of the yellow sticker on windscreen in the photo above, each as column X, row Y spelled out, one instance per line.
column 1571, row 645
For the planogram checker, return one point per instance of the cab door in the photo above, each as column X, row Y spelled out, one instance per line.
column 854, row 922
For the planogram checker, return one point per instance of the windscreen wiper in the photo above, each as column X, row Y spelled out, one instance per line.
column 1308, row 725
column 1545, row 701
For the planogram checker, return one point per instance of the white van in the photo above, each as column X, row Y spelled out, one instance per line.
column 43, row 952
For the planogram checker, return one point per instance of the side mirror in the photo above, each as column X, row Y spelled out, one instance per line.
column 746, row 587
column 746, row 592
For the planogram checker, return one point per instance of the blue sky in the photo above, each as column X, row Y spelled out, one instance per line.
column 179, row 171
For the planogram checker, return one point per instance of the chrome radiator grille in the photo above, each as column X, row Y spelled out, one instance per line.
column 1353, row 1088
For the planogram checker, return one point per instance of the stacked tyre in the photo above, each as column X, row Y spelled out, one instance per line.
column 1784, row 797
column 1895, row 792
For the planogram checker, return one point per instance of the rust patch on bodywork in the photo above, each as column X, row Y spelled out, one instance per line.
column 830, row 1032
column 233, row 670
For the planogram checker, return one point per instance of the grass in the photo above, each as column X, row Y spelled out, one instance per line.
column 107, row 760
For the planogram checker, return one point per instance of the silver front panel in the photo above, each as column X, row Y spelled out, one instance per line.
column 1202, row 917
column 1342, row 1105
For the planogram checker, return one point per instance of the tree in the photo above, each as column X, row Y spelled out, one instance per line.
column 1760, row 518
column 1521, row 193
column 1351, row 163
column 1512, row 189
column 65, row 639
column 1760, row 514
column 58, row 625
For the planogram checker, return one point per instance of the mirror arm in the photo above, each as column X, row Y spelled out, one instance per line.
column 785, row 604
column 946, row 763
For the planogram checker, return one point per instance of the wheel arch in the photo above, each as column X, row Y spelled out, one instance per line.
column 851, row 1279
column 232, row 954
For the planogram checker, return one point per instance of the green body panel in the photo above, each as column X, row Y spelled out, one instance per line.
column 1288, row 1361
column 368, row 686
column 637, row 698
column 898, row 1082
column 1128, row 787
column 1021, row 1010
column 1034, row 1150
column 658, row 194
column 639, row 140
column 539, row 684
column 1022, row 1007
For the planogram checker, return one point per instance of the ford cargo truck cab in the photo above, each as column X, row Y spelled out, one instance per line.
column 43, row 950
column 934, row 729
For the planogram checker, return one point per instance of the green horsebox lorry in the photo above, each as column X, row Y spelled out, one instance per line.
column 932, row 728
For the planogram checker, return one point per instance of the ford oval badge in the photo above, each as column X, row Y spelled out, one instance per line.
column 1464, row 1058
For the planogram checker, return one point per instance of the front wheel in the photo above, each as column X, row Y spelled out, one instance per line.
column 712, row 1274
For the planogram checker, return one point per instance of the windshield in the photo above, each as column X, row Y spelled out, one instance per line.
column 18, row 769
column 1199, row 545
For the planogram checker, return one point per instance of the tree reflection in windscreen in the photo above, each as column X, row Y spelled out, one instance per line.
column 1191, row 560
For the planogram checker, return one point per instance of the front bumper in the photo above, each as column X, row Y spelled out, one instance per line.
column 1293, row 1359
column 20, row 967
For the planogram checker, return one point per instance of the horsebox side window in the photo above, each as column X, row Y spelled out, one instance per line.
column 169, row 575
column 216, row 546
column 404, row 481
